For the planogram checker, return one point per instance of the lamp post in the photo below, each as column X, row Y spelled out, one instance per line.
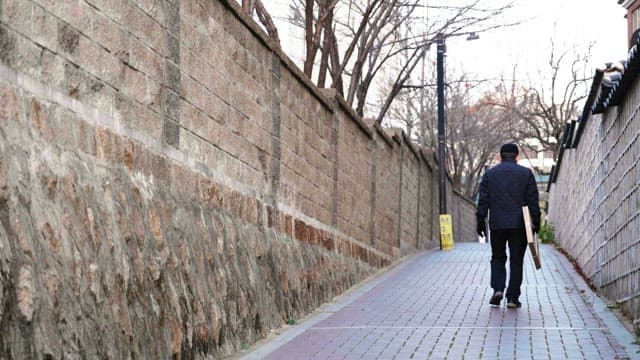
column 441, row 125
column 442, row 174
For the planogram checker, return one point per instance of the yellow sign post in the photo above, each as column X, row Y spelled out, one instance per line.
column 446, row 232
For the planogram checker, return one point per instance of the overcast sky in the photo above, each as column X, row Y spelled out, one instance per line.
column 568, row 22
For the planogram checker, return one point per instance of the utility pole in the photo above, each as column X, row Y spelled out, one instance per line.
column 441, row 124
column 442, row 177
column 446, row 231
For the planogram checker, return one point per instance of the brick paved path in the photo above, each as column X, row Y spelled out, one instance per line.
column 436, row 306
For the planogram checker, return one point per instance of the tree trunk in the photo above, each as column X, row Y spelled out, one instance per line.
column 308, row 37
column 247, row 7
column 336, row 73
column 266, row 20
column 326, row 46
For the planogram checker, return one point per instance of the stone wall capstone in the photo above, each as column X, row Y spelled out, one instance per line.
column 170, row 181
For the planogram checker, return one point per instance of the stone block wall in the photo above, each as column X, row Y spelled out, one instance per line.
column 387, row 191
column 464, row 218
column 307, row 151
column 594, row 204
column 353, row 183
column 171, row 181
column 409, row 186
column 428, row 222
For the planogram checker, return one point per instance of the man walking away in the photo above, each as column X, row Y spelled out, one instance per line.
column 504, row 190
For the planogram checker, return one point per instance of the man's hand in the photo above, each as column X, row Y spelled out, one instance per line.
column 535, row 226
column 482, row 228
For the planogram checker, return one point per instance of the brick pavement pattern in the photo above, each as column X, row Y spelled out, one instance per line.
column 437, row 307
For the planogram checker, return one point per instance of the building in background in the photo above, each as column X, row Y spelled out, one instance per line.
column 633, row 19
column 539, row 161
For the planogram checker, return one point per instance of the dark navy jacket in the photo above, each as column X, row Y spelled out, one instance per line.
column 504, row 190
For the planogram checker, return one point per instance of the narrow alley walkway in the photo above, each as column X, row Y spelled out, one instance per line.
column 436, row 306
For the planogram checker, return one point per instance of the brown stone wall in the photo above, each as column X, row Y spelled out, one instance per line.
column 387, row 190
column 104, row 236
column 409, row 195
column 464, row 219
column 167, row 174
column 428, row 229
column 354, row 177
column 306, row 171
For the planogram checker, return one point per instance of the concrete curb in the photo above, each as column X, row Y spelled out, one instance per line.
column 617, row 328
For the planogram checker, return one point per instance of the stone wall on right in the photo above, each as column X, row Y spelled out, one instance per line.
column 594, row 203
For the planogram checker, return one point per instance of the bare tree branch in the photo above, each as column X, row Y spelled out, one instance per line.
column 542, row 114
column 376, row 35
column 266, row 20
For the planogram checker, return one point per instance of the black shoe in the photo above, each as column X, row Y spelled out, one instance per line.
column 496, row 298
column 513, row 304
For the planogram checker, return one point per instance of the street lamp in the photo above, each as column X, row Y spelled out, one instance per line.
column 442, row 177
column 441, row 124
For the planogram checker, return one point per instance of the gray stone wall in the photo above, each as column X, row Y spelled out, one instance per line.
column 170, row 181
column 594, row 203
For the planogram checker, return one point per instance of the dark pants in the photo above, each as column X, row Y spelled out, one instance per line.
column 517, row 240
